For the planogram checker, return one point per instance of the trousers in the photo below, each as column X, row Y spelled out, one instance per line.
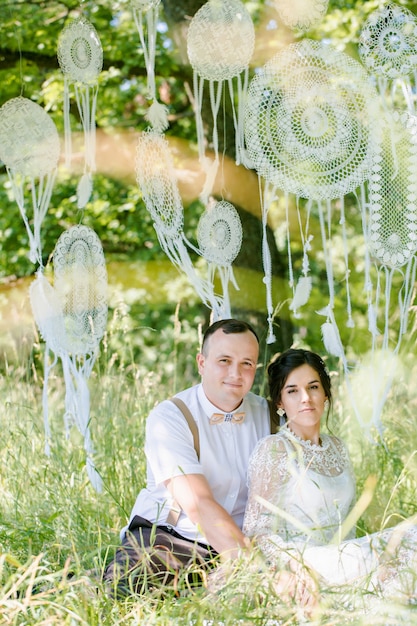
column 152, row 556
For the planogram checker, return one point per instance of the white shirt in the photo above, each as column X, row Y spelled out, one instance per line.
column 224, row 454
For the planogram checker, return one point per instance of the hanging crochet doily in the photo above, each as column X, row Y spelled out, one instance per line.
column 155, row 175
column 391, row 241
column 393, row 194
column 220, row 40
column 387, row 47
column 72, row 317
column 30, row 149
column 388, row 42
column 392, row 231
column 80, row 57
column 220, row 44
column 81, row 285
column 302, row 14
column 219, row 235
column 311, row 128
column 310, row 121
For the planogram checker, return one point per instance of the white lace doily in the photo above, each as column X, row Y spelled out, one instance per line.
column 80, row 54
column 311, row 121
column 219, row 233
column 393, row 194
column 302, row 14
column 220, row 39
column 155, row 176
column 388, row 42
column 80, row 279
column 29, row 140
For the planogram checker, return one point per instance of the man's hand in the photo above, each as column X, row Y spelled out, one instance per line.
column 193, row 494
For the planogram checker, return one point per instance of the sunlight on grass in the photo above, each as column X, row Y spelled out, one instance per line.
column 57, row 533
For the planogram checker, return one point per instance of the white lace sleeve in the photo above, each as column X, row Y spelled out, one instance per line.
column 267, row 472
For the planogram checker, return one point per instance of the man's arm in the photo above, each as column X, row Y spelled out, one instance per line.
column 193, row 494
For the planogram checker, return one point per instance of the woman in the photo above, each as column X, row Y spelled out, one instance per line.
column 301, row 489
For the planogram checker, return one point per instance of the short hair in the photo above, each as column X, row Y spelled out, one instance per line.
column 228, row 326
column 281, row 368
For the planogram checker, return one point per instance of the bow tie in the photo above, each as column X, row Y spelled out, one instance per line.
column 235, row 418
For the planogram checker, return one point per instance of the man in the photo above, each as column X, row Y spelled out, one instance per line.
column 192, row 507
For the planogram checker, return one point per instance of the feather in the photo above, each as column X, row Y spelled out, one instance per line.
column 302, row 292
column 331, row 339
column 157, row 116
column 84, row 189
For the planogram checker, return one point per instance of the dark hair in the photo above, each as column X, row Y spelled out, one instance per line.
column 228, row 326
column 281, row 368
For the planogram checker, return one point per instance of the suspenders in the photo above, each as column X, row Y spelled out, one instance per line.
column 175, row 510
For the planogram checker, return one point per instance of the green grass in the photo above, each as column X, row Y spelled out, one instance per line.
column 55, row 529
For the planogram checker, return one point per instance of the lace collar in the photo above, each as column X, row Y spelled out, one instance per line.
column 305, row 443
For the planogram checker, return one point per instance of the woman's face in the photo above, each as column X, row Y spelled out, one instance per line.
column 303, row 398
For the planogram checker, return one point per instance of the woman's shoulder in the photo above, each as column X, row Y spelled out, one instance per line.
column 274, row 442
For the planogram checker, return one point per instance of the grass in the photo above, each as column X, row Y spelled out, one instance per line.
column 55, row 529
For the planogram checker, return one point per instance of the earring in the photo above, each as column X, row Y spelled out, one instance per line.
column 326, row 404
column 280, row 411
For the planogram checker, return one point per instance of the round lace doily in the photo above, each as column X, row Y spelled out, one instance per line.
column 388, row 42
column 219, row 233
column 80, row 54
column 311, row 121
column 302, row 14
column 393, row 193
column 155, row 176
column 29, row 140
column 220, row 39
column 80, row 280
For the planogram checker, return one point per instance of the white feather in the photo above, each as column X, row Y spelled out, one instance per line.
column 84, row 189
column 302, row 292
column 157, row 116
column 331, row 339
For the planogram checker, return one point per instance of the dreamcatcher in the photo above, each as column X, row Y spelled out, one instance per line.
column 72, row 317
column 302, row 14
column 30, row 149
column 157, row 113
column 219, row 236
column 387, row 47
column 80, row 57
column 391, row 239
column 312, row 131
column 220, row 43
column 156, row 179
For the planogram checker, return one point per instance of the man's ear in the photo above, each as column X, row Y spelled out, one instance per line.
column 200, row 363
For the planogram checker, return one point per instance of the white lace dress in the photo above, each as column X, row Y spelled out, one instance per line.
column 299, row 496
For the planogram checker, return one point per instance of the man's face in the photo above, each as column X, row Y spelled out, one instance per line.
column 228, row 367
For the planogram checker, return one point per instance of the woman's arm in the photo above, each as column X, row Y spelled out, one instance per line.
column 267, row 476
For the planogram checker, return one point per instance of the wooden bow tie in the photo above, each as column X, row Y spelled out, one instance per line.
column 235, row 418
